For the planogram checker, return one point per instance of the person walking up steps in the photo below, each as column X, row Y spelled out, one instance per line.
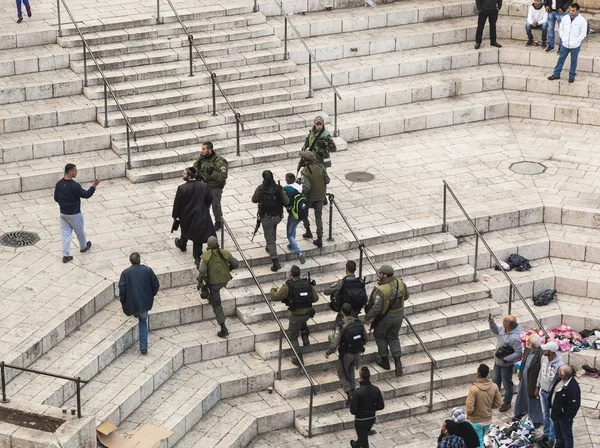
column 20, row 10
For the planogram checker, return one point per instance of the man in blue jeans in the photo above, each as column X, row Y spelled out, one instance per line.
column 556, row 9
column 509, row 339
column 572, row 31
column 20, row 11
column 292, row 189
column 137, row 287
column 551, row 362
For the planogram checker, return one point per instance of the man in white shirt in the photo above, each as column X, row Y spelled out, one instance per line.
column 537, row 17
column 572, row 31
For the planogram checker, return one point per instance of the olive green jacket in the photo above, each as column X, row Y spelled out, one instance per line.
column 314, row 179
column 215, row 268
column 280, row 294
column 382, row 297
column 218, row 177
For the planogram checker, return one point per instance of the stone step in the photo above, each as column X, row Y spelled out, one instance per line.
column 416, row 378
column 40, row 85
column 36, row 59
column 185, row 94
column 26, row 37
column 553, row 107
column 203, row 104
column 454, row 320
column 222, row 28
column 154, row 165
column 397, row 407
column 401, row 63
column 515, row 52
column 166, row 77
column 38, row 114
column 44, row 171
column 347, row 20
column 195, row 12
column 423, row 115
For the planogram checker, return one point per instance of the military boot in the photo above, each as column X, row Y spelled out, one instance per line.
column 224, row 332
column 398, row 365
column 349, row 399
column 384, row 363
column 295, row 360
column 276, row 266
column 318, row 242
column 305, row 338
column 307, row 235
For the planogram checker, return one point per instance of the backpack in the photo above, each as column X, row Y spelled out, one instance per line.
column 352, row 339
column 270, row 201
column 299, row 294
column 353, row 291
column 299, row 207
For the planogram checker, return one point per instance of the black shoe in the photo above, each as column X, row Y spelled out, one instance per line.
column 398, row 365
column 372, row 432
column 144, row 351
column 295, row 361
column 348, row 399
column 549, row 49
column 571, row 80
column 477, row 46
column 20, row 19
column 276, row 266
column 305, row 340
column 218, row 225
column 29, row 12
column 384, row 363
column 529, row 43
column 307, row 235
column 495, row 44
column 67, row 259
column 544, row 45
column 177, row 241
column 318, row 242
column 87, row 247
column 354, row 444
column 224, row 332
column 552, row 77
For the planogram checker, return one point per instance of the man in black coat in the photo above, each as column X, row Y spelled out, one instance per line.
column 564, row 400
column 192, row 202
column 366, row 401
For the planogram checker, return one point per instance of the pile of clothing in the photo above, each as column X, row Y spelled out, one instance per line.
column 563, row 335
column 517, row 434
column 591, row 339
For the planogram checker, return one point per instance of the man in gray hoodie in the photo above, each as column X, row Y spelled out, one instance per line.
column 551, row 361
column 509, row 335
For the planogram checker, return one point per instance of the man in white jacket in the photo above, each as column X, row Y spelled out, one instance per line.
column 537, row 17
column 572, row 31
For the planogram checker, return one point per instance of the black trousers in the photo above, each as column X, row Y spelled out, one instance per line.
column 197, row 249
column 492, row 17
column 362, row 428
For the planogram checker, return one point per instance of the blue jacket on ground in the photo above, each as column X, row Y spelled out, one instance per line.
column 137, row 287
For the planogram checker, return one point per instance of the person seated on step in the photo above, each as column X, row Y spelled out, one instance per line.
column 463, row 429
column 298, row 294
column 349, row 338
column 537, row 17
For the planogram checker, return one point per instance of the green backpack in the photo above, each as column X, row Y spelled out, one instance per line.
column 299, row 207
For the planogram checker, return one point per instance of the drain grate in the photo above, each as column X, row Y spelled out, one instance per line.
column 359, row 176
column 528, row 168
column 19, row 239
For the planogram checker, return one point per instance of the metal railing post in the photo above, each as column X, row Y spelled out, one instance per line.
column 191, row 40
column 431, row 388
column 476, row 253
column 128, row 148
column 85, row 80
column 360, row 261
column 285, row 38
column 3, row 379
column 510, row 296
column 237, row 133
column 105, row 105
column 78, row 384
column 58, row 13
column 310, row 411
column 444, row 224
column 213, row 76
column 331, row 199
column 280, row 356
column 255, row 6
column 310, row 91
column 222, row 236
column 336, row 133
column 158, row 11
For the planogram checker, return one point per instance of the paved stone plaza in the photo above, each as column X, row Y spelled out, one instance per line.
column 418, row 106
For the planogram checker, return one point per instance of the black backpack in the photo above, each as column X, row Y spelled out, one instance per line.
column 353, row 291
column 299, row 294
column 270, row 201
column 352, row 338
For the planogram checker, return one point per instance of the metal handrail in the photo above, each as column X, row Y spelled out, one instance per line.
column 363, row 251
column 311, row 57
column 78, row 381
column 478, row 236
column 213, row 76
column 128, row 126
column 282, row 333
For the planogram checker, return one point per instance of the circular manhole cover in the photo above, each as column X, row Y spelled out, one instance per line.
column 359, row 176
column 528, row 168
column 19, row 239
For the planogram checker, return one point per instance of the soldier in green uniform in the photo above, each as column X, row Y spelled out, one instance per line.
column 213, row 169
column 386, row 310
column 299, row 295
column 314, row 181
column 320, row 143
column 215, row 266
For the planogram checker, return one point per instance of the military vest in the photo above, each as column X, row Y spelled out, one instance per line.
column 218, row 266
column 388, row 290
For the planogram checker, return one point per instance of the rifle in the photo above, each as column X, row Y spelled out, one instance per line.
column 258, row 221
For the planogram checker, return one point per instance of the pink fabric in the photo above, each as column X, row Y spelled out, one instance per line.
column 563, row 335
